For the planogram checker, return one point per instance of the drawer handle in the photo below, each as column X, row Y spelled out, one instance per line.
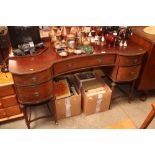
column 69, row 65
column 135, row 60
column 99, row 60
column 132, row 73
column 0, row 104
column 34, row 79
column 36, row 94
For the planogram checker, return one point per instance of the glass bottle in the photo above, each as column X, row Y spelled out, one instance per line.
column 64, row 33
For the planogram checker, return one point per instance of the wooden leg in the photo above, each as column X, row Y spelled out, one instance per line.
column 113, row 87
column 55, row 115
column 54, row 110
column 49, row 109
column 54, row 106
column 148, row 119
column 29, row 117
column 130, row 97
column 24, row 108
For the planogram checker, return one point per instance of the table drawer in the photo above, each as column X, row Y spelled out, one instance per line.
column 34, row 94
column 128, row 73
column 83, row 62
column 130, row 60
column 31, row 79
column 2, row 113
column 11, row 111
column 6, row 90
column 9, row 101
column 107, row 59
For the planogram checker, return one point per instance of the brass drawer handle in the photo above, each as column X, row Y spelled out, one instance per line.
column 34, row 79
column 36, row 94
column 69, row 65
column 99, row 60
column 132, row 73
column 135, row 60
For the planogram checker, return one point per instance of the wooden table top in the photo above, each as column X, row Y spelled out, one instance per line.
column 46, row 58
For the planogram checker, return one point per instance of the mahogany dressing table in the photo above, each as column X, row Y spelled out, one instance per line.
column 33, row 75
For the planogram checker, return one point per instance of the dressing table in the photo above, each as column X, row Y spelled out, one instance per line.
column 33, row 75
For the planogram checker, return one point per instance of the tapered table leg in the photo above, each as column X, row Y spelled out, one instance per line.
column 131, row 91
column 54, row 110
column 24, row 109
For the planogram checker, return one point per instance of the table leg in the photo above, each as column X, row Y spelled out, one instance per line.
column 24, row 109
column 54, row 110
column 130, row 97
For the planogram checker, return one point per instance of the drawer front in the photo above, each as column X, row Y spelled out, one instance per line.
column 31, row 79
column 34, row 94
column 2, row 113
column 6, row 90
column 83, row 62
column 128, row 73
column 130, row 60
column 9, row 101
column 11, row 111
column 107, row 59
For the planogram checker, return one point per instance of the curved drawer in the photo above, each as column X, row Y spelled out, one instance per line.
column 34, row 94
column 83, row 62
column 130, row 60
column 128, row 73
column 32, row 79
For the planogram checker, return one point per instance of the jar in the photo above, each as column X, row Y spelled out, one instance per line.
column 86, row 42
column 71, row 41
